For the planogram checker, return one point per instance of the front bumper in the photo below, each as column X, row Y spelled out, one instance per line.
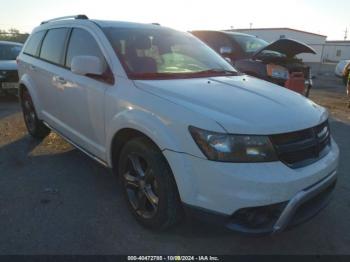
column 225, row 189
column 8, row 79
column 273, row 218
column 317, row 196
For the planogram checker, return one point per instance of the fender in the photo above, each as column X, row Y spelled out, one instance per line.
column 144, row 122
column 30, row 85
column 156, row 129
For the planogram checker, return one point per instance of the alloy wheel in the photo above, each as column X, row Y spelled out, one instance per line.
column 141, row 186
column 28, row 111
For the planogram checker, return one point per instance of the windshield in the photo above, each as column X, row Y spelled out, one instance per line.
column 9, row 52
column 160, row 53
column 249, row 44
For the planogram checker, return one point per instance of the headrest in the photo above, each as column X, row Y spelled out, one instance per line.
column 142, row 42
column 163, row 45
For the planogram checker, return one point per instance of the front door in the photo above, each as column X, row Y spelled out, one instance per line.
column 82, row 98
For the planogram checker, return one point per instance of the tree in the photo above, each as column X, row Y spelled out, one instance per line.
column 13, row 35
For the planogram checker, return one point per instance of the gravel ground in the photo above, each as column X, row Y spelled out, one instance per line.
column 331, row 93
column 56, row 200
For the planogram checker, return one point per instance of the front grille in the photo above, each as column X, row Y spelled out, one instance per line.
column 304, row 147
column 9, row 75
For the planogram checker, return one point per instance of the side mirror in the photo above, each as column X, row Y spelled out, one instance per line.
column 87, row 65
column 225, row 50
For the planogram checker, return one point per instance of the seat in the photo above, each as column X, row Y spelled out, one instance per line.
column 140, row 64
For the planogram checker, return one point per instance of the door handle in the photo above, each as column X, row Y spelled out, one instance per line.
column 61, row 80
column 33, row 68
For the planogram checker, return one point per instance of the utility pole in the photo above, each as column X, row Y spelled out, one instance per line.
column 346, row 34
column 250, row 25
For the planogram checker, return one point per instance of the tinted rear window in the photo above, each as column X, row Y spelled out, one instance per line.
column 249, row 44
column 32, row 47
column 53, row 45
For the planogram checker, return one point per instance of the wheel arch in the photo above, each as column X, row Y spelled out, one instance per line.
column 172, row 138
column 119, row 140
column 132, row 123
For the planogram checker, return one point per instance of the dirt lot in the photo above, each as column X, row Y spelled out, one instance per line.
column 330, row 92
column 56, row 200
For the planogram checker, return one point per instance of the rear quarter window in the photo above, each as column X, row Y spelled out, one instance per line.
column 52, row 49
column 34, row 41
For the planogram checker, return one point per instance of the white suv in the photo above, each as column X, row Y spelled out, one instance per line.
column 182, row 128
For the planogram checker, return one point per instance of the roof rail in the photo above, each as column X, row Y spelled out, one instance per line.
column 65, row 17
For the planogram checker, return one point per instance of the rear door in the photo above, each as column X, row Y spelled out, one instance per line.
column 27, row 65
column 47, row 67
column 81, row 98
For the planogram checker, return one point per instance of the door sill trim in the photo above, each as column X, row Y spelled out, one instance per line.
column 77, row 146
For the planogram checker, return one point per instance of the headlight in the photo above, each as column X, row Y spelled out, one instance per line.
column 278, row 72
column 233, row 148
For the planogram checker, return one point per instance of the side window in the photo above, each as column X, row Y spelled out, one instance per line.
column 82, row 43
column 216, row 41
column 53, row 46
column 32, row 47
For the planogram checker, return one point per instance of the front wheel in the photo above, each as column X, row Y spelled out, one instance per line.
column 35, row 127
column 148, row 184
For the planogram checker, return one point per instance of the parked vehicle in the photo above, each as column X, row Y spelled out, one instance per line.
column 179, row 125
column 8, row 67
column 342, row 70
column 275, row 62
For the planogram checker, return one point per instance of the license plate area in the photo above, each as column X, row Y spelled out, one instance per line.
column 9, row 85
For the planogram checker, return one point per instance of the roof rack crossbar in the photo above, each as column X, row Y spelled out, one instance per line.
column 65, row 18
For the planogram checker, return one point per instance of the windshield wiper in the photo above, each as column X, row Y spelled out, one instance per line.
column 218, row 71
column 155, row 75
column 204, row 73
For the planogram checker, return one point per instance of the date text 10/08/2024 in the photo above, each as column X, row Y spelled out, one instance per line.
column 173, row 258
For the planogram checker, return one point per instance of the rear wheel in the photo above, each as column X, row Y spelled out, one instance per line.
column 148, row 184
column 35, row 127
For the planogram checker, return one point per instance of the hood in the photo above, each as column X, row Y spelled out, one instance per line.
column 8, row 65
column 288, row 47
column 240, row 104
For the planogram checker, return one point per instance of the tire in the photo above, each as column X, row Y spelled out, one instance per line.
column 35, row 127
column 148, row 185
column 346, row 77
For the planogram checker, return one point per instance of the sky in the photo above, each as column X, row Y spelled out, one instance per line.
column 318, row 16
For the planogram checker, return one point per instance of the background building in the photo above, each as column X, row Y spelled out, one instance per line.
column 327, row 51
column 336, row 50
